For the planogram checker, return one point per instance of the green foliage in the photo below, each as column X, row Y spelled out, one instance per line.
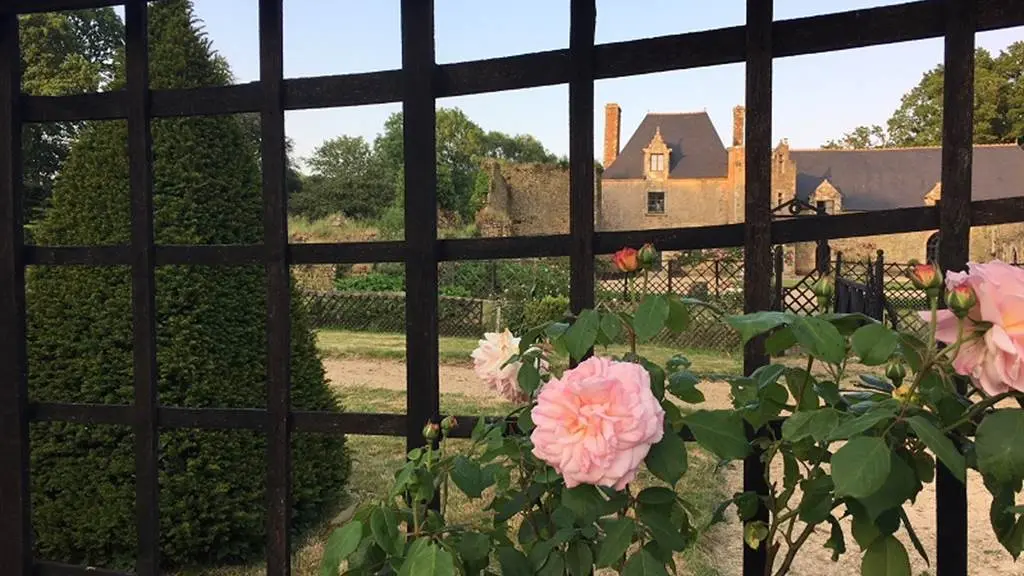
column 372, row 282
column 211, row 342
column 62, row 53
column 547, row 309
column 998, row 107
column 348, row 177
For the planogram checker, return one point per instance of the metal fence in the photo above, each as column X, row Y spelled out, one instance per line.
column 418, row 84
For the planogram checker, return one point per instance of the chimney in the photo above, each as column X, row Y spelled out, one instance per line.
column 612, row 118
column 739, row 115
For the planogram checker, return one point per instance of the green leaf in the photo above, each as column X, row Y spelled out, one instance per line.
column 657, row 375
column 583, row 500
column 747, row 505
column 683, row 385
column 618, row 536
column 721, row 432
column 875, row 383
column 513, row 563
column 384, row 527
column 913, row 536
column 643, row 563
column 678, row 316
column 528, row 377
column 664, row 531
column 820, row 339
column 750, row 325
column 854, row 426
column 525, row 421
column 816, row 424
column 580, row 337
column 1008, row 528
column 667, row 458
column 474, row 547
column 754, row 533
column 611, row 326
column 836, row 540
column 468, row 476
column 1000, row 455
column 650, row 317
column 428, row 560
column 341, row 544
column 874, row 344
column 886, row 557
column 860, row 467
column 779, row 341
column 801, row 387
column 864, row 530
column 657, row 496
column 941, row 445
column 900, row 485
column 579, row 559
column 554, row 565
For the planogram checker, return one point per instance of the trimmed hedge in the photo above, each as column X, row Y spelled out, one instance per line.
column 211, row 342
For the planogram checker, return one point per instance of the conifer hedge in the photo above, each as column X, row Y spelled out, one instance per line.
column 211, row 340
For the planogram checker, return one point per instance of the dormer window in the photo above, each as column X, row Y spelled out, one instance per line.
column 657, row 163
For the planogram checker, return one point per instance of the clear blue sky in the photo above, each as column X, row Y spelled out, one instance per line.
column 816, row 97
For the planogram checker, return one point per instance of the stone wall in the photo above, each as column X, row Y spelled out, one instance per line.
column 527, row 199
column 623, row 204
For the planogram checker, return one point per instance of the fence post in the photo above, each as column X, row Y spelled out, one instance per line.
column 671, row 264
column 839, row 276
column 780, row 291
column 718, row 271
column 880, row 284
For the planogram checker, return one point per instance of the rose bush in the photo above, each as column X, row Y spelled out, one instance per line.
column 557, row 475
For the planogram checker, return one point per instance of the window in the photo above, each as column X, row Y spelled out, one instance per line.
column 657, row 163
column 655, row 202
column 830, row 206
column 932, row 249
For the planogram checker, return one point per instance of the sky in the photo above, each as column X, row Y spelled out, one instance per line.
column 816, row 97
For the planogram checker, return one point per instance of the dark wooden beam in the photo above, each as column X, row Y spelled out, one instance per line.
column 582, row 22
column 15, row 513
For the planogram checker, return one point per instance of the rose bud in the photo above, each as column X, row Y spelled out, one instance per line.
column 896, row 372
column 824, row 289
column 961, row 299
column 925, row 277
column 626, row 260
column 448, row 424
column 648, row 255
column 431, row 431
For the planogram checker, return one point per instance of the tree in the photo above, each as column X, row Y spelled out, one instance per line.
column 348, row 177
column 211, row 341
column 861, row 137
column 998, row 106
column 518, row 148
column 62, row 53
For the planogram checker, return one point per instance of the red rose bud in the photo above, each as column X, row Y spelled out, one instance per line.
column 448, row 424
column 648, row 255
column 925, row 277
column 626, row 260
column 961, row 299
column 431, row 431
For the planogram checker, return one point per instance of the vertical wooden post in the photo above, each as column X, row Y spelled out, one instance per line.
column 15, row 514
column 954, row 242
column 420, row 118
column 582, row 22
column 757, row 231
column 140, row 164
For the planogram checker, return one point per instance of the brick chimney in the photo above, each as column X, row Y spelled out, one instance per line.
column 739, row 116
column 612, row 120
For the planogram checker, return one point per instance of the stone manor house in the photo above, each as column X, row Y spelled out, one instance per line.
column 674, row 171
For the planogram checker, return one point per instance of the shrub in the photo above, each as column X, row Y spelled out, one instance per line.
column 372, row 282
column 211, row 342
column 548, row 309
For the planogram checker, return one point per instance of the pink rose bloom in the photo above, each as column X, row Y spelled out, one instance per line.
column 995, row 359
column 596, row 423
column 490, row 362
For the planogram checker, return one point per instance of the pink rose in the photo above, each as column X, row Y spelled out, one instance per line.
column 491, row 364
column 994, row 357
column 596, row 423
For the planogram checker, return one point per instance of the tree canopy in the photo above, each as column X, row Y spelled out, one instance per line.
column 998, row 107
column 361, row 180
column 62, row 53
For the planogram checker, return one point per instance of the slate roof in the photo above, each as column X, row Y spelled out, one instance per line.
column 697, row 150
column 881, row 179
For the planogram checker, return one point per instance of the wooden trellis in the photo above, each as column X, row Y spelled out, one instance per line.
column 418, row 84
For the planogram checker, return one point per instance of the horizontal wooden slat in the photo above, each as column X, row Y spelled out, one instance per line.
column 800, row 229
column 111, row 414
column 800, row 36
column 26, row 6
column 42, row 568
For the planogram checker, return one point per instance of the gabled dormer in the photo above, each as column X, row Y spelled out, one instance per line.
column 934, row 195
column 830, row 195
column 656, row 157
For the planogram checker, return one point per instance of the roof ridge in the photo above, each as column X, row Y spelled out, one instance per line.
column 891, row 148
column 690, row 113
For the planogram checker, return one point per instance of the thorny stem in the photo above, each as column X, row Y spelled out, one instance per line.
column 787, row 560
column 980, row 407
